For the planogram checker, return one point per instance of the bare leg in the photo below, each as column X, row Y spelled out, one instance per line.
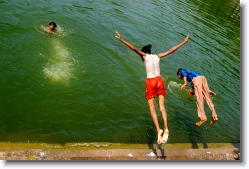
column 165, row 120
column 155, row 119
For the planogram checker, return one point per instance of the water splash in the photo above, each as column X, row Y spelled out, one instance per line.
column 175, row 89
column 61, row 64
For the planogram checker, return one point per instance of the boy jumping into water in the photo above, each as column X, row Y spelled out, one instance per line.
column 199, row 88
column 154, row 83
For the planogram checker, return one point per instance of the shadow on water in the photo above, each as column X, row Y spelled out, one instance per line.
column 194, row 135
column 192, row 130
column 152, row 139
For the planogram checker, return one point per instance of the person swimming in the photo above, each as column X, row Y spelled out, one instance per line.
column 51, row 28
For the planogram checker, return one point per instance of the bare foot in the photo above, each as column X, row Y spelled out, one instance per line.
column 212, row 93
column 165, row 136
column 214, row 120
column 199, row 123
column 159, row 136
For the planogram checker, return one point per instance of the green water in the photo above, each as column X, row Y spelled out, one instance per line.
column 83, row 85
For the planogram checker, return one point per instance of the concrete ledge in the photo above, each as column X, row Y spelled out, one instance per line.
column 104, row 151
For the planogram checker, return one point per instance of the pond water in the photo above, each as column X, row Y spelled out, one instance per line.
column 82, row 85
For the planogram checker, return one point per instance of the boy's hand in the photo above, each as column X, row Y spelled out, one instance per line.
column 183, row 86
column 118, row 36
column 186, row 39
column 191, row 91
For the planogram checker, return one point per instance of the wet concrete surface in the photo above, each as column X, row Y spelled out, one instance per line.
column 221, row 152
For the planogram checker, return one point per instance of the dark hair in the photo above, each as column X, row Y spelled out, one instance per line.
column 53, row 23
column 146, row 49
column 178, row 71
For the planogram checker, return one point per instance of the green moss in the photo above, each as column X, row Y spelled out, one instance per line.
column 31, row 158
column 7, row 146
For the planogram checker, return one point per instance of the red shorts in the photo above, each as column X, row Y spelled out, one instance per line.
column 155, row 86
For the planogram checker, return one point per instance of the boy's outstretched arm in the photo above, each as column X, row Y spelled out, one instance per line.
column 173, row 49
column 132, row 47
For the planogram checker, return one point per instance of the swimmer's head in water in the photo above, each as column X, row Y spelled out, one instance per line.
column 52, row 25
column 146, row 49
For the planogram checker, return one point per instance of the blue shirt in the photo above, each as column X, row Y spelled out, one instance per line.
column 189, row 75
